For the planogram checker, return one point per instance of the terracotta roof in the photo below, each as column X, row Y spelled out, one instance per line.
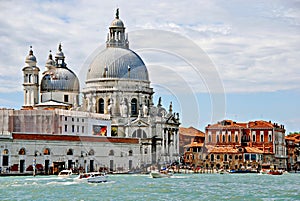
column 232, row 150
column 191, row 131
column 229, row 124
column 260, row 124
column 226, row 124
column 221, row 149
column 293, row 137
column 194, row 144
column 253, row 150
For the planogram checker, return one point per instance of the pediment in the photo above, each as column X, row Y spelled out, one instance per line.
column 139, row 123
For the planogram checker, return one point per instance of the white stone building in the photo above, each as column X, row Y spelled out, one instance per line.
column 117, row 126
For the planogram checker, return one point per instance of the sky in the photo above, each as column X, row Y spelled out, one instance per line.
column 213, row 59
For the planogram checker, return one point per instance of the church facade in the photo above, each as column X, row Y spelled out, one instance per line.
column 117, row 126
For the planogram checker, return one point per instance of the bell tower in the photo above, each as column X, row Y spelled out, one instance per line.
column 30, row 81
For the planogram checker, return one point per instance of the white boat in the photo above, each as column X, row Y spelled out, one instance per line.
column 65, row 173
column 161, row 174
column 92, row 177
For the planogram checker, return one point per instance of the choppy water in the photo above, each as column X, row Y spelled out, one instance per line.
column 142, row 187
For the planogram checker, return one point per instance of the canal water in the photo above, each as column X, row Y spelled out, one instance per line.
column 142, row 187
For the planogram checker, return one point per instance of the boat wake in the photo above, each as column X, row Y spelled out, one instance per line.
column 62, row 183
column 179, row 177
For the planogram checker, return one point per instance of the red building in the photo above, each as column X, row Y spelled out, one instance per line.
column 191, row 143
column 233, row 145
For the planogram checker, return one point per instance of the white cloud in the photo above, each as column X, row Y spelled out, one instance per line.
column 252, row 44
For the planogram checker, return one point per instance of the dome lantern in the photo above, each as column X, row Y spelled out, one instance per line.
column 60, row 57
column 30, row 60
column 50, row 63
column 116, row 36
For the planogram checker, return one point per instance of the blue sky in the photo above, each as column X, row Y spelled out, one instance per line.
column 249, row 49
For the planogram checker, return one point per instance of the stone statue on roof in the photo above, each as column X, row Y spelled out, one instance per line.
column 117, row 13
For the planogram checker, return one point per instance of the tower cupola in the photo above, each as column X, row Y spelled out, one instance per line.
column 116, row 36
column 30, row 80
column 50, row 63
column 30, row 59
column 60, row 57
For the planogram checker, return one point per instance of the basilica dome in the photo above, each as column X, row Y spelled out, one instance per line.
column 59, row 79
column 119, row 63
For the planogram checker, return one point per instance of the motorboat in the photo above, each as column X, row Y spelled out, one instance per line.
column 160, row 174
column 222, row 171
column 275, row 172
column 242, row 171
column 97, row 178
column 65, row 173
column 91, row 177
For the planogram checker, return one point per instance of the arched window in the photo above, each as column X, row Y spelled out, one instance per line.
column 30, row 78
column 225, row 157
column 212, row 158
column 139, row 133
column 91, row 152
column 70, row 152
column 46, row 151
column 37, row 153
column 270, row 136
column 253, row 138
column 101, row 106
column 223, row 136
column 22, row 151
column 218, row 138
column 133, row 107
column 130, row 153
column 209, row 138
column 5, row 152
column 236, row 138
column 229, row 138
column 111, row 153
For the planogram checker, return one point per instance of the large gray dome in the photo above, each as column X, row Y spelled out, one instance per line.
column 59, row 79
column 117, row 63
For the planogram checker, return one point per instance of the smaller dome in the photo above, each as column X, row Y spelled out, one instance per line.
column 59, row 54
column 30, row 57
column 117, row 23
column 50, row 62
column 60, row 79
